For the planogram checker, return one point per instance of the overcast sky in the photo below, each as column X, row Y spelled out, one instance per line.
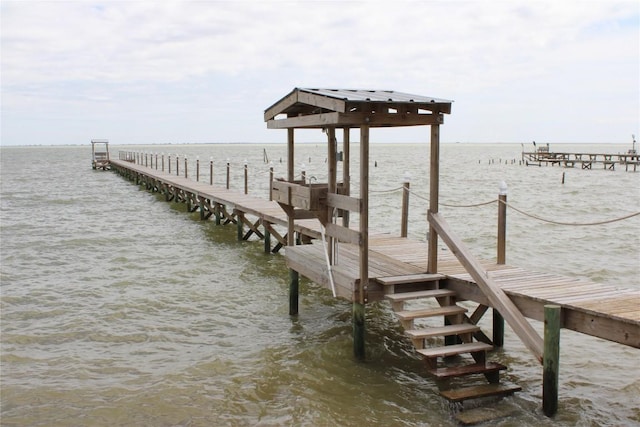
column 204, row 71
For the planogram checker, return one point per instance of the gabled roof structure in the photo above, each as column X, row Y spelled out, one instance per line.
column 319, row 108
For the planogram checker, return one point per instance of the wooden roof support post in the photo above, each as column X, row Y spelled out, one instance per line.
column 293, row 275
column 358, row 304
column 434, row 185
column 290, row 177
column 346, row 178
column 333, row 182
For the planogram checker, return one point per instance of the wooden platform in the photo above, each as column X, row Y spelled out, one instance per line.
column 604, row 311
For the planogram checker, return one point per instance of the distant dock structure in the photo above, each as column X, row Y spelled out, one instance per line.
column 543, row 155
column 100, row 154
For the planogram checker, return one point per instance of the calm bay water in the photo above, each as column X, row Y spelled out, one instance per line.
column 118, row 308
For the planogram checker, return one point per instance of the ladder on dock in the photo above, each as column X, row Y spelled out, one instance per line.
column 454, row 336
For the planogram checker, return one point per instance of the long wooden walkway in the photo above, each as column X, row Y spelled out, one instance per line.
column 604, row 311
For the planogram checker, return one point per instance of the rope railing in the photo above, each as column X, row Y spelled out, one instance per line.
column 574, row 224
column 536, row 217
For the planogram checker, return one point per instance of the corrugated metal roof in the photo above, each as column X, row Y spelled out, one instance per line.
column 366, row 95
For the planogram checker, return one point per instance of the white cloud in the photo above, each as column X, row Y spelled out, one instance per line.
column 495, row 58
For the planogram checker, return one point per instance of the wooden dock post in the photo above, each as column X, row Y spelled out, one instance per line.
column 210, row 170
column 271, row 181
column 185, row 166
column 434, row 185
column 197, row 169
column 228, row 167
column 404, row 224
column 246, row 177
column 177, row 165
column 162, row 154
column 551, row 359
column 294, row 281
column 498, row 320
column 240, row 231
column 267, row 240
column 502, row 223
column 346, row 177
column 169, row 161
column 358, row 314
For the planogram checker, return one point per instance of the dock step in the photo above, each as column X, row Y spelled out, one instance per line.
column 407, row 296
column 430, row 312
column 441, row 331
column 409, row 278
column 475, row 392
column 452, row 350
column 480, row 415
column 459, row 371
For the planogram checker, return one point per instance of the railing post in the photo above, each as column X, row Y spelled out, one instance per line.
column 502, row 222
column 156, row 161
column 551, row 359
column 146, row 162
column 210, row 170
column 404, row 224
column 177, row 165
column 228, row 165
column 271, row 181
column 197, row 169
column 169, row 161
column 185, row 166
column 162, row 155
column 246, row 177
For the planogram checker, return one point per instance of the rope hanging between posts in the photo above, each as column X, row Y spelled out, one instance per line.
column 609, row 221
column 573, row 223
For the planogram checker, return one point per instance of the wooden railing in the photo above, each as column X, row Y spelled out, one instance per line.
column 496, row 296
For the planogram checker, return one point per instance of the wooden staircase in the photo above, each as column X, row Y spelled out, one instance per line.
column 452, row 337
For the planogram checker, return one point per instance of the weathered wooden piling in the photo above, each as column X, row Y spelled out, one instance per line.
column 551, row 359
column 246, row 177
column 404, row 215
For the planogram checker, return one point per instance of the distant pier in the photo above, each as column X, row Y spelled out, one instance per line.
column 608, row 161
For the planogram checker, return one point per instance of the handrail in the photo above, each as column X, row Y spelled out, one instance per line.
column 496, row 296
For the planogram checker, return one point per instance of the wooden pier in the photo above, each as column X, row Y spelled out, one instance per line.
column 422, row 284
column 607, row 161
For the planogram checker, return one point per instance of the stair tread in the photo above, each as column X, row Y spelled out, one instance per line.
column 458, row 371
column 409, row 278
column 432, row 293
column 441, row 331
column 474, row 392
column 430, row 312
column 483, row 414
column 452, row 350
